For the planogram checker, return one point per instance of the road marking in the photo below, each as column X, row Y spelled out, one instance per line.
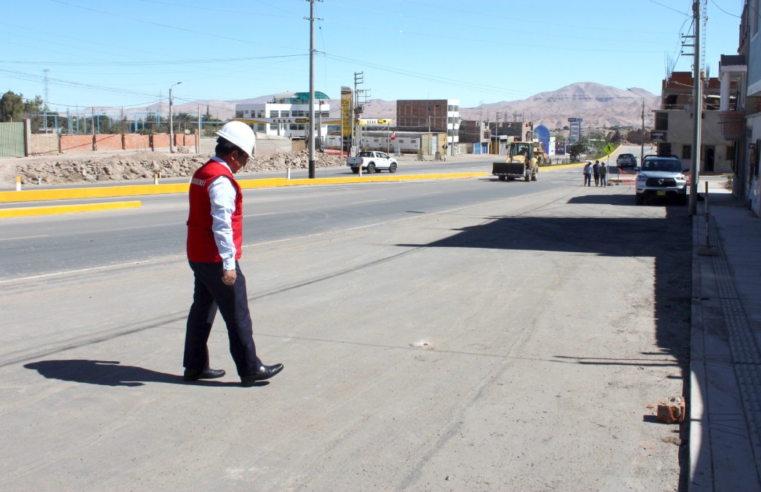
column 370, row 201
column 20, row 238
column 66, row 209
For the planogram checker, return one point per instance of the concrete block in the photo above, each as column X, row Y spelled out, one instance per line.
column 671, row 410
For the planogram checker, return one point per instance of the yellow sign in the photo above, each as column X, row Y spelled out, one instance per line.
column 376, row 122
column 346, row 102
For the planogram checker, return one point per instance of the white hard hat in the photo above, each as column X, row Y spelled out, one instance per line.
column 240, row 134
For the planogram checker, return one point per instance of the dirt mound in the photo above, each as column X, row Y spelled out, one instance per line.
column 144, row 165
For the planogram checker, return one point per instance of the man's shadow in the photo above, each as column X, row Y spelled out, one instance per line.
column 109, row 373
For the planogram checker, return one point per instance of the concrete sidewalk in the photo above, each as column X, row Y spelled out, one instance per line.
column 725, row 388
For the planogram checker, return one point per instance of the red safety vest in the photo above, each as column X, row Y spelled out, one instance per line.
column 201, row 246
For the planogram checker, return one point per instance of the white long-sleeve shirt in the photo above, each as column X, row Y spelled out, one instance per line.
column 222, row 194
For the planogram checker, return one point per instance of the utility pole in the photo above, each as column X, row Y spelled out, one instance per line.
column 359, row 78
column 311, row 88
column 697, row 99
column 171, row 121
column 47, row 100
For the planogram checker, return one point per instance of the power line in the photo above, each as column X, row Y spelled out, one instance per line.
column 717, row 6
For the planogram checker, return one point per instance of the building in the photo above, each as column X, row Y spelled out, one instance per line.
column 289, row 107
column 475, row 136
column 431, row 115
column 396, row 142
column 674, row 124
column 521, row 131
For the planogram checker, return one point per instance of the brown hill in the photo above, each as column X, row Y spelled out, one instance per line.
column 600, row 106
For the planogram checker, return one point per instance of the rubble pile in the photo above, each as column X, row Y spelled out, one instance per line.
column 144, row 165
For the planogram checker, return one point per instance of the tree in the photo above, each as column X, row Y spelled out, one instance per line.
column 11, row 106
column 578, row 148
column 36, row 105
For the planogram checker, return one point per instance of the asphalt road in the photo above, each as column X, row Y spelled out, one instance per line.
column 457, row 335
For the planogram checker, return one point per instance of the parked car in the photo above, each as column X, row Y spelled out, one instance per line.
column 372, row 162
column 661, row 177
column 626, row 160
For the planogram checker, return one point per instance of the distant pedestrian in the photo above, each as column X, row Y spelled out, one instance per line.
column 588, row 174
column 603, row 175
column 596, row 171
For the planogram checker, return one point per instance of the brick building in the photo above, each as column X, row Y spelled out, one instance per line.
column 430, row 115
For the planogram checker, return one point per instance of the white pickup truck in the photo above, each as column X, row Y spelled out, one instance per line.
column 372, row 162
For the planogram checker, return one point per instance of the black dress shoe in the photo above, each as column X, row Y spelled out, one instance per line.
column 208, row 373
column 264, row 372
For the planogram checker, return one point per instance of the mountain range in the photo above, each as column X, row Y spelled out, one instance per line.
column 599, row 105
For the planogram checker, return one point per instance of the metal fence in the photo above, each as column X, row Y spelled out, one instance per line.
column 12, row 140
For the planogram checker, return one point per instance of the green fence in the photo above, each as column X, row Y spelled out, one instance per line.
column 12, row 139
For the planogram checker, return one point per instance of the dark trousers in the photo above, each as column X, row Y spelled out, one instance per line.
column 210, row 293
column 587, row 179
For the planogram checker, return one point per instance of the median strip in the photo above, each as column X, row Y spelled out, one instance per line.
column 165, row 189
column 66, row 209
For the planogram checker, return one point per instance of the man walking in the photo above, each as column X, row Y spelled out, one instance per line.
column 603, row 174
column 215, row 240
column 588, row 174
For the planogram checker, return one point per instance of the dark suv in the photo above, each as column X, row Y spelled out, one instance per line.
column 626, row 160
column 661, row 177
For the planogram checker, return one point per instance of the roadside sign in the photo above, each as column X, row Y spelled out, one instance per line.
column 658, row 136
column 608, row 149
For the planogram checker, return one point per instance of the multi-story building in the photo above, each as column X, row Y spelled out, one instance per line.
column 674, row 124
column 430, row 115
column 287, row 107
column 743, row 121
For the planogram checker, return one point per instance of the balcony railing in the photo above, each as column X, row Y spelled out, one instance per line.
column 732, row 124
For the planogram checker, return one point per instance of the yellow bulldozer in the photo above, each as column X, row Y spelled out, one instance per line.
column 523, row 160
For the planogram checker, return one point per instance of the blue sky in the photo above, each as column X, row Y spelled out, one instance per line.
column 127, row 53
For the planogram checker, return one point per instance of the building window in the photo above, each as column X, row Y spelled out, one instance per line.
column 274, row 114
column 401, row 140
column 284, row 114
column 686, row 152
column 730, row 155
column 661, row 121
column 414, row 140
column 260, row 128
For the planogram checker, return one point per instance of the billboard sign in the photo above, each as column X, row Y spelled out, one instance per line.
column 575, row 125
column 658, row 136
column 346, row 103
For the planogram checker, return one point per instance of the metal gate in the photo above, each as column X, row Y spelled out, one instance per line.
column 12, row 139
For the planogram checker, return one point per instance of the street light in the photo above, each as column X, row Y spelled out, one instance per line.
column 171, row 129
column 642, row 147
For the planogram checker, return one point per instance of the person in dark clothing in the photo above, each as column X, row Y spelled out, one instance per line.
column 603, row 175
column 596, row 171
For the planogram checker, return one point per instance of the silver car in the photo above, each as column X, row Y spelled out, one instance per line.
column 661, row 177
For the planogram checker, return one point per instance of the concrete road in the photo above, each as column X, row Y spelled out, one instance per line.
column 509, row 343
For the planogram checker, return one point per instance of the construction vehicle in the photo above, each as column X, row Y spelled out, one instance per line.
column 523, row 159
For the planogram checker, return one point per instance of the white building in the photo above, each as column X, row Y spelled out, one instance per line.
column 287, row 105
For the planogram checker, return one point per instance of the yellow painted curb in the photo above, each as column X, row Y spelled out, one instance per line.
column 78, row 193
column 66, row 209
column 164, row 189
column 275, row 182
